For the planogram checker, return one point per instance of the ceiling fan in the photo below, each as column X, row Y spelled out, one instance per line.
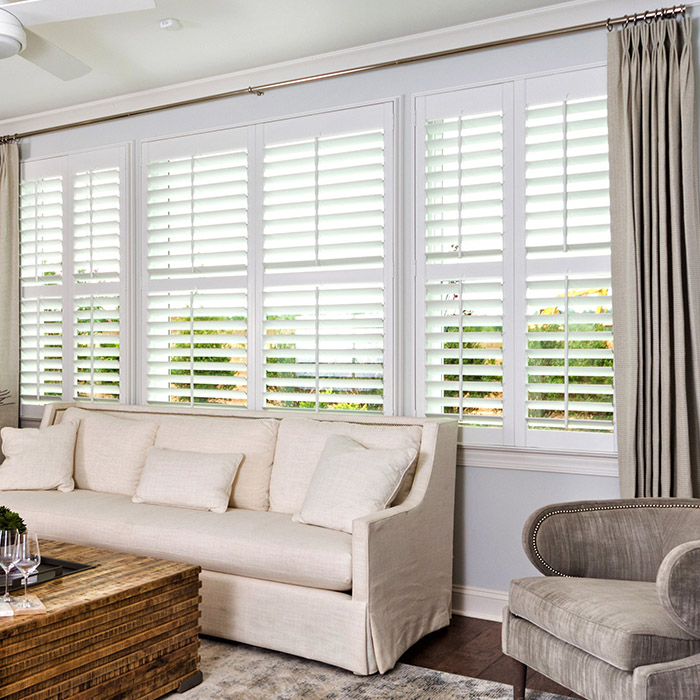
column 17, row 15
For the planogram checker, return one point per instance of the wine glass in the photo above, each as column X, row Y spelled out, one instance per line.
column 8, row 554
column 27, row 561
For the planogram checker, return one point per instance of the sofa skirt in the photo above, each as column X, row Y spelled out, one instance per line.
column 326, row 626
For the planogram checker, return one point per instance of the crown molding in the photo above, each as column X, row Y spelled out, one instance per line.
column 517, row 24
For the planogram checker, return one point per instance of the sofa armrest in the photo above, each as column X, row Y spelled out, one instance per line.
column 617, row 539
column 678, row 585
column 402, row 556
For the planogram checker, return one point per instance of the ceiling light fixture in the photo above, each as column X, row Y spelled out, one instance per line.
column 12, row 36
column 170, row 24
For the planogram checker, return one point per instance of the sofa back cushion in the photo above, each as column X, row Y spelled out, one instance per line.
column 300, row 443
column 110, row 451
column 254, row 437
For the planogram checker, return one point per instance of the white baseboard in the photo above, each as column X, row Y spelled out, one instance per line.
column 478, row 602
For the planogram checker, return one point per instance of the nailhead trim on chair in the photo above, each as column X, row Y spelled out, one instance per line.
column 621, row 506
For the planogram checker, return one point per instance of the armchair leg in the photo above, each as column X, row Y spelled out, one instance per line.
column 519, row 678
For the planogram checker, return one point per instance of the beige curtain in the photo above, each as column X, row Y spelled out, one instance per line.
column 9, row 285
column 655, row 258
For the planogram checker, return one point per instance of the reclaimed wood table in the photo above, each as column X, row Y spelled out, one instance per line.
column 127, row 629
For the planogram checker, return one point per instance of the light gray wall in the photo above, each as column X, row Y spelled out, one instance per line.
column 492, row 506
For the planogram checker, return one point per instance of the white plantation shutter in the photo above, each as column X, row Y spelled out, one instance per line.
column 464, row 351
column 327, row 234
column 41, row 229
column 197, row 347
column 72, row 228
column 461, row 157
column 464, row 188
column 569, row 354
column 197, row 215
column 324, row 347
column 569, row 345
column 513, row 216
column 96, row 347
column 41, row 349
column 196, row 313
column 324, row 203
column 97, row 225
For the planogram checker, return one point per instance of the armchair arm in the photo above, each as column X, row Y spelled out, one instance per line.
column 617, row 539
column 678, row 585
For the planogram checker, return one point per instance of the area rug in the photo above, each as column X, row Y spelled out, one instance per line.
column 240, row 672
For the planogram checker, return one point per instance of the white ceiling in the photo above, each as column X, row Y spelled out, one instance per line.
column 129, row 52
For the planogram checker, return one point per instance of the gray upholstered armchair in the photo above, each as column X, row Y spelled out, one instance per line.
column 617, row 614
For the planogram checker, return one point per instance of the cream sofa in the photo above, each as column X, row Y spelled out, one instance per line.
column 357, row 600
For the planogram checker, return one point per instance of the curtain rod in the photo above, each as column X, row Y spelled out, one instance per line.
column 609, row 24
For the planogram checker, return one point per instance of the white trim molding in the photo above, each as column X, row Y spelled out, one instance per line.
column 536, row 460
column 534, row 21
column 482, row 603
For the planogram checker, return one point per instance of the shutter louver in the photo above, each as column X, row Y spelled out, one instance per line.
column 197, row 347
column 41, row 231
column 41, row 350
column 567, row 184
column 464, row 228
column 96, row 225
column 569, row 316
column 464, row 351
column 96, row 346
column 197, row 242
column 464, row 188
column 324, row 203
column 569, row 354
column 324, row 229
column 198, row 216
column 323, row 348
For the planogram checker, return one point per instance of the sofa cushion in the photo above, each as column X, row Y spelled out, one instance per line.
column 38, row 459
column 352, row 481
column 248, row 543
column 619, row 622
column 110, row 452
column 254, row 437
column 200, row 480
column 300, row 443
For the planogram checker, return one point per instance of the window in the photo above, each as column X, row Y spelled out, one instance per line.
column 327, row 221
column 513, row 214
column 274, row 266
column 72, row 214
column 195, row 268
column 281, row 306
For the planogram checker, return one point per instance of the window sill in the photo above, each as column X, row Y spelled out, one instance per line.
column 538, row 460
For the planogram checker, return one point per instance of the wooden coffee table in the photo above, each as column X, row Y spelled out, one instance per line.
column 126, row 629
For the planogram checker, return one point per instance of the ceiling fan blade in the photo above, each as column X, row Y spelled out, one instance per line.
column 52, row 59
column 31, row 12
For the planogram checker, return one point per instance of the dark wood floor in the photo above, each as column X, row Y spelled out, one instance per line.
column 471, row 647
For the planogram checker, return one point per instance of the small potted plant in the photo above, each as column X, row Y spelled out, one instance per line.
column 9, row 520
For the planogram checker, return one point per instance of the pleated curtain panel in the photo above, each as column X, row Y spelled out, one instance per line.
column 655, row 258
column 9, row 285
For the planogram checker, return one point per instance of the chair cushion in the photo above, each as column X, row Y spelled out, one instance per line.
column 300, row 442
column 248, row 543
column 619, row 622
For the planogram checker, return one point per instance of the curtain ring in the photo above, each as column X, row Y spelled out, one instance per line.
column 626, row 22
column 608, row 24
column 648, row 17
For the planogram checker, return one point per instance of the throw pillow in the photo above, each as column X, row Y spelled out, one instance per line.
column 196, row 480
column 110, row 452
column 38, row 458
column 352, row 481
